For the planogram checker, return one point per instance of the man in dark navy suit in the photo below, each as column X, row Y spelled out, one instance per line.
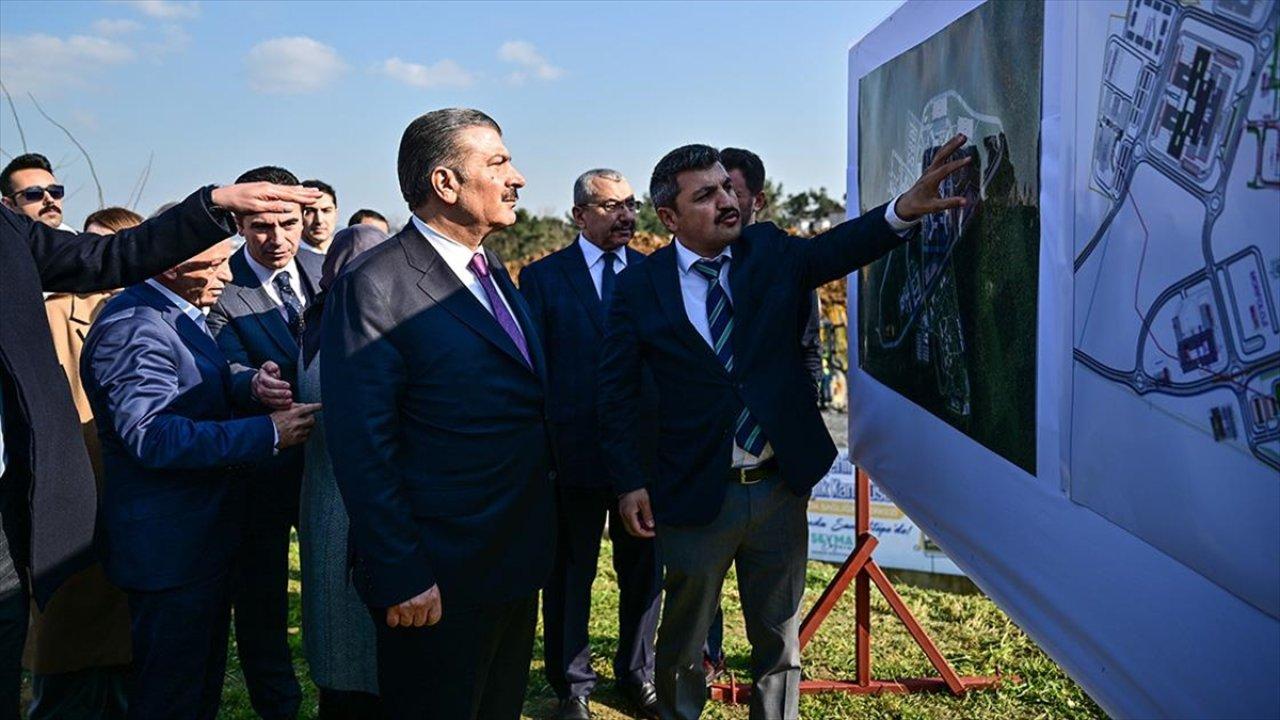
column 172, row 496
column 568, row 292
column 434, row 381
column 257, row 323
column 715, row 316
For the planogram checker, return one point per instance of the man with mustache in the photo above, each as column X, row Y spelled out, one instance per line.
column 433, row 377
column 30, row 188
column 568, row 292
column 715, row 316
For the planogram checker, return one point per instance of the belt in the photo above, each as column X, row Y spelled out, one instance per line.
column 753, row 475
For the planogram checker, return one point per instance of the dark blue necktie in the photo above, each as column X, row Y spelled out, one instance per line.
column 607, row 279
column 746, row 431
column 292, row 305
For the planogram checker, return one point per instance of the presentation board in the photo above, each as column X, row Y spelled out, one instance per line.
column 1072, row 384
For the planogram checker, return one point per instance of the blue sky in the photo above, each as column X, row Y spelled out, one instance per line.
column 326, row 88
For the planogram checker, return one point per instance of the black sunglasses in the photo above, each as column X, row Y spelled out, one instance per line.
column 36, row 192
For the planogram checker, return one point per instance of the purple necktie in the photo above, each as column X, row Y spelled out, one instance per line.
column 480, row 268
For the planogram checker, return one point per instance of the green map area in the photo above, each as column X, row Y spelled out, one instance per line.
column 949, row 319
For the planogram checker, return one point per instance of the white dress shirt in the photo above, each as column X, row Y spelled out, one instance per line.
column 457, row 256
column 693, row 289
column 267, row 276
column 595, row 260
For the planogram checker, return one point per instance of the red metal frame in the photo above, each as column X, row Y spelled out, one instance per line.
column 861, row 571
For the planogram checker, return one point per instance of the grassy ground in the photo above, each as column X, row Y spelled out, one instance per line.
column 969, row 629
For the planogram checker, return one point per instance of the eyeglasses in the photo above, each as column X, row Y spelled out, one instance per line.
column 36, row 193
column 613, row 206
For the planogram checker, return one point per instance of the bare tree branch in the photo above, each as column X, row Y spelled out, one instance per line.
column 92, row 171
column 5, row 154
column 141, row 183
column 14, row 109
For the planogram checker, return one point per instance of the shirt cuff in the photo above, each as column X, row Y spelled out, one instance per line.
column 275, row 438
column 900, row 226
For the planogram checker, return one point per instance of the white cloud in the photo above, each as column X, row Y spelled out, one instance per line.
column 531, row 62
column 438, row 74
column 166, row 9
column 112, row 26
column 171, row 38
column 292, row 65
column 44, row 64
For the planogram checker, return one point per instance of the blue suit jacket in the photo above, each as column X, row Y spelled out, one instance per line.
column 771, row 276
column 250, row 330
column 163, row 395
column 438, row 431
column 563, row 301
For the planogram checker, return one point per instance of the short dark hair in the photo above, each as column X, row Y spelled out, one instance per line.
column 747, row 163
column 114, row 219
column 663, row 187
column 323, row 187
column 27, row 161
column 365, row 213
column 269, row 173
column 429, row 142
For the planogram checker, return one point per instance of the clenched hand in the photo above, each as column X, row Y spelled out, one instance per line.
column 636, row 514
column 419, row 610
column 269, row 389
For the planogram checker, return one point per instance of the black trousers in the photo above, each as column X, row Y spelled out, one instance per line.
column 179, row 650
column 474, row 663
column 261, row 603
column 566, row 606
column 96, row 693
column 14, row 616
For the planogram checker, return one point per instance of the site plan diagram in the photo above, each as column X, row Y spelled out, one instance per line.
column 1176, row 381
column 949, row 321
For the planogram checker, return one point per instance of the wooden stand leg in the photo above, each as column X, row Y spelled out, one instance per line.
column 861, row 571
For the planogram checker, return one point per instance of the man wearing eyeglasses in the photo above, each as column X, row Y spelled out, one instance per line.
column 30, row 189
column 568, row 292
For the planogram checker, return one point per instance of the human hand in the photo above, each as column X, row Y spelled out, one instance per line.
column 269, row 389
column 636, row 515
column 263, row 197
column 293, row 426
column 419, row 610
column 922, row 199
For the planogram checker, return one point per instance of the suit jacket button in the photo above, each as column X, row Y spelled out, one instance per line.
column 551, row 475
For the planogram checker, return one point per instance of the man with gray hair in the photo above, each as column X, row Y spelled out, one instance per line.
column 568, row 292
column 433, row 377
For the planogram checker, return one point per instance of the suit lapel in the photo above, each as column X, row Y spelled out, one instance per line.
column 498, row 270
column 265, row 310
column 574, row 266
column 441, row 284
column 745, row 300
column 310, row 267
column 187, row 329
column 665, row 274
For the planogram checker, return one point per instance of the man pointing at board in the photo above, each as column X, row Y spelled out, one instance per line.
column 714, row 316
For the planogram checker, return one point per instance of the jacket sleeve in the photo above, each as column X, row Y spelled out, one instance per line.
column 362, row 375
column 85, row 262
column 846, row 247
column 132, row 364
column 618, row 394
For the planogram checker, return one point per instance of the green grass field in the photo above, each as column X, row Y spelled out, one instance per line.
column 969, row 629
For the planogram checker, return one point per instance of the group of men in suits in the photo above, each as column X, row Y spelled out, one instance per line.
column 672, row 386
column 481, row 436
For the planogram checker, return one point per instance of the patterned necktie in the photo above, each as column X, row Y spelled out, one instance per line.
column 607, row 279
column 480, row 268
column 292, row 305
column 746, row 431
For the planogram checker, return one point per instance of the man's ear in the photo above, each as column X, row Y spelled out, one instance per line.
column 8, row 203
column 447, row 184
column 670, row 218
column 577, row 217
column 757, row 203
column 240, row 224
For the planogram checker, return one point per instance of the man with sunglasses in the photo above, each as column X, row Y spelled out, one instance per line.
column 568, row 292
column 47, row 494
column 30, row 188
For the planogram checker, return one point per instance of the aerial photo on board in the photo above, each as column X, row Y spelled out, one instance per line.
column 949, row 321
